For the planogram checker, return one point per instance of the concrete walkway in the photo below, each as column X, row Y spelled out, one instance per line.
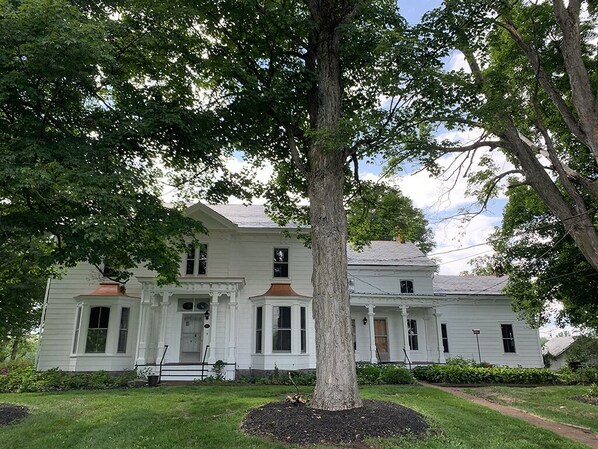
column 579, row 434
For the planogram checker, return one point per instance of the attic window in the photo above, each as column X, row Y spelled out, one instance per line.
column 406, row 286
column 197, row 259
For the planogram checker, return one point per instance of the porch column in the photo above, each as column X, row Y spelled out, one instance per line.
column 437, row 317
column 407, row 352
column 214, row 321
column 162, row 330
column 373, row 351
column 142, row 333
column 232, row 337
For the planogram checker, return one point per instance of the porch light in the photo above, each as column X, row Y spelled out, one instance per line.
column 207, row 315
column 365, row 320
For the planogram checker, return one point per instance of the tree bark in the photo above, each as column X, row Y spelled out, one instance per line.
column 336, row 387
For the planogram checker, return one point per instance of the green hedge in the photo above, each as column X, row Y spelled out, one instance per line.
column 581, row 376
column 28, row 380
column 373, row 374
column 456, row 374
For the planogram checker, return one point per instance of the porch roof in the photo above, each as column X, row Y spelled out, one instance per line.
column 398, row 300
column 194, row 284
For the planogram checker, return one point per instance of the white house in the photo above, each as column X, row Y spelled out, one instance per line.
column 244, row 297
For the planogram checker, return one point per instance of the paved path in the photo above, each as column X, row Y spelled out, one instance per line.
column 579, row 434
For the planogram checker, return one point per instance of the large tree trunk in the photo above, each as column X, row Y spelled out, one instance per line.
column 336, row 387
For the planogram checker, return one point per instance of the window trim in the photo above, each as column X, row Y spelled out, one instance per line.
column 77, row 330
column 276, row 329
column 444, row 337
column 413, row 337
column 287, row 263
column 196, row 260
column 508, row 339
column 406, row 286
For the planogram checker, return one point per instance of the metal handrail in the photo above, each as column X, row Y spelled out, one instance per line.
column 203, row 362
column 161, row 361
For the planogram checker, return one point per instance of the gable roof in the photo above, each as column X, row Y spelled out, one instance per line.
column 243, row 216
column 469, row 285
column 389, row 253
column 556, row 346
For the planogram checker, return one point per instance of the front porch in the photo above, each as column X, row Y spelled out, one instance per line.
column 185, row 329
column 397, row 329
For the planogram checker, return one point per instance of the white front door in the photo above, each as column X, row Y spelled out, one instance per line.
column 191, row 333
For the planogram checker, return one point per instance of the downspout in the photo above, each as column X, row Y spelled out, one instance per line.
column 42, row 321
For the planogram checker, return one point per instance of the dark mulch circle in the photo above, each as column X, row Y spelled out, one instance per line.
column 10, row 413
column 299, row 424
column 593, row 401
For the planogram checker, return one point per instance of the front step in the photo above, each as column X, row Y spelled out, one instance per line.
column 185, row 373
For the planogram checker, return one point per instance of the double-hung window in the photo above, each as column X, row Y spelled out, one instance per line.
column 259, row 323
column 123, row 331
column 97, row 331
column 412, row 332
column 445, row 343
column 197, row 259
column 281, row 329
column 281, row 263
column 508, row 338
column 406, row 286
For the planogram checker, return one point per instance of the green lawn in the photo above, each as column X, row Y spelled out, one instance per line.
column 209, row 417
column 549, row 402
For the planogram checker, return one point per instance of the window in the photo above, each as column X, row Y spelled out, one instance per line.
column 281, row 329
column 354, row 335
column 197, row 259
column 259, row 319
column 77, row 326
column 412, row 331
column 445, row 345
column 508, row 338
column 98, row 329
column 123, row 330
column 303, row 331
column 281, row 262
column 406, row 286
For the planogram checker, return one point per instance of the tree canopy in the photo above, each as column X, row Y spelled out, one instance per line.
column 381, row 212
column 529, row 88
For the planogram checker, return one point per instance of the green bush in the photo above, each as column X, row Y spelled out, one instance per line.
column 581, row 376
column 373, row 374
column 28, row 380
column 457, row 374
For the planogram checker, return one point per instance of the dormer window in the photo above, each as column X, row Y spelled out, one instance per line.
column 197, row 259
column 281, row 262
column 406, row 286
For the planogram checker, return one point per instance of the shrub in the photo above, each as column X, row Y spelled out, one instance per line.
column 592, row 392
column 371, row 374
column 28, row 380
column 456, row 374
column 581, row 376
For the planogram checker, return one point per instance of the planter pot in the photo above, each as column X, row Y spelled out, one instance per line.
column 152, row 381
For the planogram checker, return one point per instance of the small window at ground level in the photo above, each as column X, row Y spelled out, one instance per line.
column 412, row 331
column 281, row 262
column 406, row 286
column 97, row 330
column 123, row 331
column 508, row 338
column 281, row 329
column 445, row 344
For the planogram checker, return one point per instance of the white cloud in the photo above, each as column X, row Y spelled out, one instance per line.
column 457, row 62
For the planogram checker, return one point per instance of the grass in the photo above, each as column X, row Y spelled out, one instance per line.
column 209, row 417
column 549, row 402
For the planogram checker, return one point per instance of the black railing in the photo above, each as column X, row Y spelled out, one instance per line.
column 161, row 362
column 203, row 362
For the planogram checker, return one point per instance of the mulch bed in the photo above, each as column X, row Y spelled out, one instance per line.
column 593, row 401
column 10, row 413
column 299, row 424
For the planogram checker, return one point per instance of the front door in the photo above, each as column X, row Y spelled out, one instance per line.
column 191, row 332
column 381, row 334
